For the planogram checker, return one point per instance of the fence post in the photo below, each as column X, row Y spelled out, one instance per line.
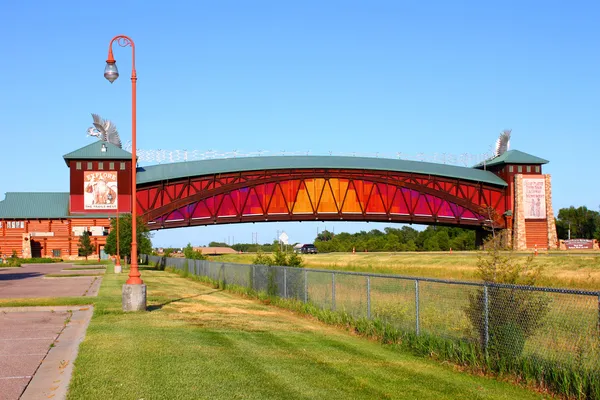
column 417, row 327
column 486, row 319
column 599, row 315
column 284, row 282
column 253, row 277
column 368, row 297
column 305, row 286
column 333, row 291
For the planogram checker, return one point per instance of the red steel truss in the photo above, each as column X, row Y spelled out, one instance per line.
column 320, row 194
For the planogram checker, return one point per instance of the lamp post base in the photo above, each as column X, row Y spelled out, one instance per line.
column 118, row 268
column 134, row 297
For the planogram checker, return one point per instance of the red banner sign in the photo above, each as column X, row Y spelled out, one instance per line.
column 579, row 244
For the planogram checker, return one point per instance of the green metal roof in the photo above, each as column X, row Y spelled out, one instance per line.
column 35, row 205
column 164, row 172
column 94, row 151
column 45, row 205
column 513, row 157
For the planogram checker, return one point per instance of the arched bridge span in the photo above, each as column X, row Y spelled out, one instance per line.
column 309, row 188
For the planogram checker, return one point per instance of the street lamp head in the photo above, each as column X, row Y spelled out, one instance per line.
column 111, row 73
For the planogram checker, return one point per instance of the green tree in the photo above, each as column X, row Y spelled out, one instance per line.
column 85, row 247
column 513, row 314
column 144, row 242
column 262, row 259
column 583, row 223
column 192, row 254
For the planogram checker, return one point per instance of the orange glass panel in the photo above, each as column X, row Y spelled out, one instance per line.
column 278, row 204
column 351, row 203
column 359, row 188
column 253, row 204
column 399, row 205
column 339, row 186
column 303, row 203
column 327, row 203
column 375, row 204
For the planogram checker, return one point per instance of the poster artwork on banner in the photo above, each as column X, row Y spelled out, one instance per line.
column 534, row 198
column 100, row 190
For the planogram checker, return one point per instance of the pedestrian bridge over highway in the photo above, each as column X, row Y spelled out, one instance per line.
column 324, row 188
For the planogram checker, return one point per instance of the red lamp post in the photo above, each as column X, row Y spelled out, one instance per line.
column 111, row 74
column 118, row 261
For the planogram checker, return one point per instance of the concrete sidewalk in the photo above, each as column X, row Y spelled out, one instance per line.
column 38, row 346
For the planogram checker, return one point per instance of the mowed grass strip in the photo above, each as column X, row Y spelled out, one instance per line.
column 197, row 342
column 562, row 269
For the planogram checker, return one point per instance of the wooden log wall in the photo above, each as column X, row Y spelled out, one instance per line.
column 43, row 244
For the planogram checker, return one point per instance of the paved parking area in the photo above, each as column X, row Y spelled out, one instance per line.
column 39, row 344
column 29, row 281
column 25, row 338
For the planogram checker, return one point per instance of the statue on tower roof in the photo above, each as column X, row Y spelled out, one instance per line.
column 104, row 130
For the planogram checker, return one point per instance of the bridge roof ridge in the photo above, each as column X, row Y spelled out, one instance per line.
column 170, row 171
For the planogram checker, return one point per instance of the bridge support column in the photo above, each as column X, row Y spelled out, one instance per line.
column 534, row 224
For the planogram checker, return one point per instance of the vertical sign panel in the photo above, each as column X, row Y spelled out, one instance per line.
column 534, row 198
column 100, row 190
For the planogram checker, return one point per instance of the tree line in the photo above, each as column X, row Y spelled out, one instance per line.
column 433, row 238
column 582, row 223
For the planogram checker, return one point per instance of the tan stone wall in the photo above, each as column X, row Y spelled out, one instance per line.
column 519, row 229
column 26, row 249
column 519, row 232
column 552, row 235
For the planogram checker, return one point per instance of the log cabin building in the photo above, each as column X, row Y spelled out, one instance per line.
column 36, row 224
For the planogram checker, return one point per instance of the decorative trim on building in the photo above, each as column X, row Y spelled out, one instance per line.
column 552, row 236
column 519, row 232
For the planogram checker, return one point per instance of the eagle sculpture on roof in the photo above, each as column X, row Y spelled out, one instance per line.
column 104, row 130
column 503, row 143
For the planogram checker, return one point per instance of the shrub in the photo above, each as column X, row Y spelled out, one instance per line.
column 279, row 258
column 262, row 259
column 513, row 315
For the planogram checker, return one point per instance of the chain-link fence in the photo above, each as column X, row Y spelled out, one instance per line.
column 559, row 327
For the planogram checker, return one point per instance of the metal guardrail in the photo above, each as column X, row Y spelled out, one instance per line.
column 550, row 324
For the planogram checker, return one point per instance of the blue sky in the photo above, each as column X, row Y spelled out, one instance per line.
column 344, row 76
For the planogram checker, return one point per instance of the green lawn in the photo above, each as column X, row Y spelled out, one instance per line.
column 562, row 269
column 198, row 342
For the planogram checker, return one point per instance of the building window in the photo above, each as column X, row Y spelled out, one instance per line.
column 511, row 168
column 529, row 168
column 89, row 166
column 100, row 165
column 111, row 166
column 56, row 253
column 520, row 169
column 537, row 169
column 78, row 165
column 122, row 166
